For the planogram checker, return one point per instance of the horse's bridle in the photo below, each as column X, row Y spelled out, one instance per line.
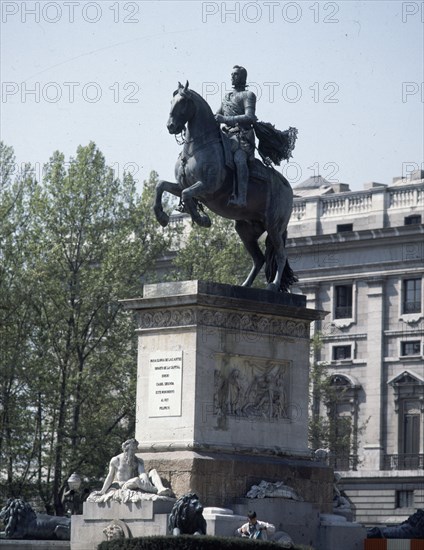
column 181, row 140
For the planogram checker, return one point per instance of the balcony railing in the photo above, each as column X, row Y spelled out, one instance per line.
column 412, row 307
column 343, row 312
column 403, row 462
column 344, row 463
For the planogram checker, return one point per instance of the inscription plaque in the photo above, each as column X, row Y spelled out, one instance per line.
column 165, row 376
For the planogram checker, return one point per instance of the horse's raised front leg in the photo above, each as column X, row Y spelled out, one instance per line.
column 161, row 187
column 249, row 233
column 201, row 219
column 187, row 197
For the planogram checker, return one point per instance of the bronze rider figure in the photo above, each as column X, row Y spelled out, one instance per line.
column 237, row 113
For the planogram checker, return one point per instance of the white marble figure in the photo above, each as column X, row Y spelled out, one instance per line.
column 127, row 479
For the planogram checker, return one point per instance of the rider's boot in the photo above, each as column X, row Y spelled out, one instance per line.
column 242, row 173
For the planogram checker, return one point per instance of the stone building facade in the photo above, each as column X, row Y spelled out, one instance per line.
column 359, row 255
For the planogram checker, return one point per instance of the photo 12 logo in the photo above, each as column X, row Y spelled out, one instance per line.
column 69, row 92
column 38, row 170
column 269, row 12
column 70, row 12
column 290, row 92
column 293, row 172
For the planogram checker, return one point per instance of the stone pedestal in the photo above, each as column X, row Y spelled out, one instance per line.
column 337, row 532
column 222, row 522
column 221, row 478
column 222, row 390
column 138, row 519
column 299, row 519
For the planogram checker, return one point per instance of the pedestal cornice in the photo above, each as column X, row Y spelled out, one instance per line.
column 224, row 297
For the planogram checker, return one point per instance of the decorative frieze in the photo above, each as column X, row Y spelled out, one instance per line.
column 166, row 318
column 262, row 324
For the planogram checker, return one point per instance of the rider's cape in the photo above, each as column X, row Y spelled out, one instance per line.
column 273, row 143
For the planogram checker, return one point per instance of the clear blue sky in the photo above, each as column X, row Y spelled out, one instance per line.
column 347, row 74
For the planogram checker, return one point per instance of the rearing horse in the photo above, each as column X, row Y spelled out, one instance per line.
column 203, row 177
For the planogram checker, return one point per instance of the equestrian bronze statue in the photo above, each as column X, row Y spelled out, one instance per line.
column 206, row 174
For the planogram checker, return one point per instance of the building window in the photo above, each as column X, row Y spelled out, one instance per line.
column 343, row 309
column 338, row 428
column 408, row 401
column 342, row 352
column 411, row 433
column 410, row 348
column 409, row 444
column 341, row 445
column 404, row 499
column 413, row 220
column 341, row 228
column 411, row 298
column 342, row 413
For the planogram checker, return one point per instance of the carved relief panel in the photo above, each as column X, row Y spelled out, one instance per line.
column 252, row 388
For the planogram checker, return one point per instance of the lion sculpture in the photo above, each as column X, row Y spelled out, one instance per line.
column 186, row 517
column 23, row 523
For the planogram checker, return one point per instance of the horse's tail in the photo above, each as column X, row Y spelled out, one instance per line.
column 288, row 278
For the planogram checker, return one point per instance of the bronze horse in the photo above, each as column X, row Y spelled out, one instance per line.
column 204, row 177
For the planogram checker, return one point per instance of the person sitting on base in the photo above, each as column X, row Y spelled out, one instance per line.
column 255, row 529
column 126, row 471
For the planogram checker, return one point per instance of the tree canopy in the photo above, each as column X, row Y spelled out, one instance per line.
column 72, row 246
column 212, row 254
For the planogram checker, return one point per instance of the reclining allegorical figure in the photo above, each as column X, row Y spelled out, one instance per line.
column 127, row 475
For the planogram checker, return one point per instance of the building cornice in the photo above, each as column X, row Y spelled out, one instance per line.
column 335, row 273
column 353, row 237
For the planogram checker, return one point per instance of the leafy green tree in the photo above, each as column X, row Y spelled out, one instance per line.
column 320, row 388
column 327, row 428
column 92, row 240
column 17, row 188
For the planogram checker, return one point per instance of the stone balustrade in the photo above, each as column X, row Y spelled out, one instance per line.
column 373, row 208
column 299, row 209
column 401, row 198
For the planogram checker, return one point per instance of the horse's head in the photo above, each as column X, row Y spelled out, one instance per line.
column 182, row 109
